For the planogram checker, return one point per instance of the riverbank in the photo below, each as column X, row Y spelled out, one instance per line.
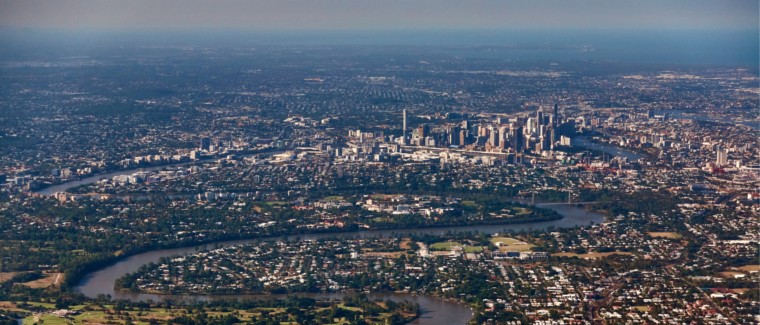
column 587, row 142
column 290, row 311
column 78, row 274
column 102, row 280
column 51, row 189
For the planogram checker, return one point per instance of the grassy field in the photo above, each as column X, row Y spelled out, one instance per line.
column 50, row 279
column 473, row 249
column 671, row 235
column 444, row 246
column 9, row 306
column 750, row 268
column 520, row 211
column 449, row 245
column 46, row 319
column 406, row 243
column 644, row 309
column 45, row 305
column 5, row 276
column 511, row 244
column 729, row 274
column 105, row 314
column 333, row 198
column 98, row 315
column 591, row 255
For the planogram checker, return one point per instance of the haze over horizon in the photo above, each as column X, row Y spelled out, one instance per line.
column 379, row 15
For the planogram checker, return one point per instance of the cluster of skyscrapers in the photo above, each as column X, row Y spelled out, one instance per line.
column 538, row 133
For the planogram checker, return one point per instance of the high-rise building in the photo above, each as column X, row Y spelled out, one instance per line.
column 423, row 131
column 539, row 118
column 205, row 144
column 404, row 128
column 555, row 117
column 503, row 133
column 722, row 157
column 531, row 125
column 493, row 137
column 517, row 139
column 454, row 136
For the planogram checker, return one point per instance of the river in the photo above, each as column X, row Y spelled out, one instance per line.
column 437, row 311
column 50, row 190
column 585, row 142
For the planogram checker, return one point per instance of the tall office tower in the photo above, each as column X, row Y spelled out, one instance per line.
column 404, row 128
column 463, row 137
column 555, row 117
column 454, row 136
column 517, row 136
column 205, row 144
column 552, row 137
column 493, row 137
column 530, row 125
column 503, row 131
column 423, row 131
column 539, row 117
column 547, row 143
column 722, row 158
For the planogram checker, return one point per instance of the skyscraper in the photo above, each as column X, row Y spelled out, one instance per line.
column 539, row 117
column 555, row 118
column 205, row 144
column 454, row 136
column 722, row 157
column 503, row 134
column 493, row 137
column 517, row 139
column 423, row 131
column 404, row 128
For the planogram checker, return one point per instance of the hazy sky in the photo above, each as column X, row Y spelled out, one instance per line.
column 381, row 14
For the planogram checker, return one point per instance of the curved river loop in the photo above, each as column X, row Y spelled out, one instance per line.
column 435, row 310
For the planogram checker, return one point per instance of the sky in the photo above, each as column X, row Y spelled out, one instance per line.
column 380, row 14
